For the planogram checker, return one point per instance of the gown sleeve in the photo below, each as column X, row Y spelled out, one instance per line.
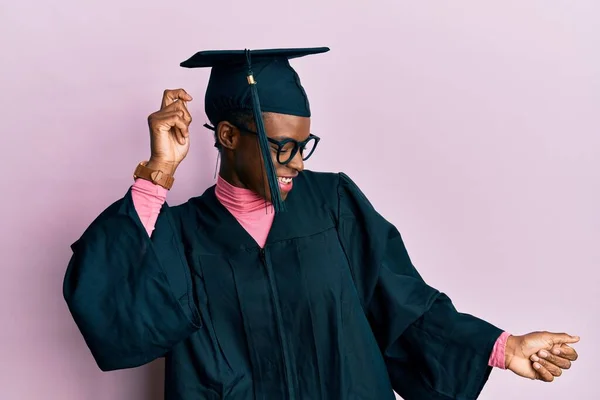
column 432, row 351
column 130, row 295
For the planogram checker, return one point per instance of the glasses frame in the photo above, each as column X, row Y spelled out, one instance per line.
column 281, row 143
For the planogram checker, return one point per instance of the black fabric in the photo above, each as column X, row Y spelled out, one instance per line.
column 332, row 308
column 278, row 84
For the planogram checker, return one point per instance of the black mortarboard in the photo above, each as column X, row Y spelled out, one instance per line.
column 257, row 80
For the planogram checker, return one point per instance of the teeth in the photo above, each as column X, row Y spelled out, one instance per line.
column 285, row 180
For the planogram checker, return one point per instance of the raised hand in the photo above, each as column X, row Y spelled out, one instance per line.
column 169, row 131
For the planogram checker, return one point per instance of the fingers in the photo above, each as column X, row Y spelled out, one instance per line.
column 560, row 338
column 181, row 110
column 565, row 351
column 171, row 96
column 551, row 358
column 542, row 373
column 553, row 369
column 174, row 121
column 175, row 101
column 549, row 366
column 180, row 127
column 181, row 106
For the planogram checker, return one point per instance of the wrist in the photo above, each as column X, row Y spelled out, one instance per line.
column 163, row 166
column 159, row 173
column 510, row 350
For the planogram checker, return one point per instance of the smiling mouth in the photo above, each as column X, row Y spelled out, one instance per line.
column 284, row 180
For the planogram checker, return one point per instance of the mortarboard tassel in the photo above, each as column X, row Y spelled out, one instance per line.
column 276, row 200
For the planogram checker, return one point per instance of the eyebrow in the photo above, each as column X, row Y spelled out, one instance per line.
column 278, row 137
column 281, row 137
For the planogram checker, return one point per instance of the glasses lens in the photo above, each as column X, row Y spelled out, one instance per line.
column 309, row 148
column 286, row 153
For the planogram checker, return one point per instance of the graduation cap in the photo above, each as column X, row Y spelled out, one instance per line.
column 257, row 80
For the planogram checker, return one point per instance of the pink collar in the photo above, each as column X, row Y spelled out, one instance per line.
column 248, row 208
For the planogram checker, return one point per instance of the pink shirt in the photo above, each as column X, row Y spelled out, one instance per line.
column 249, row 209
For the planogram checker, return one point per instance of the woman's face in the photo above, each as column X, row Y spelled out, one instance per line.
column 245, row 156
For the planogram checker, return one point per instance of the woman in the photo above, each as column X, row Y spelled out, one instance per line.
column 317, row 300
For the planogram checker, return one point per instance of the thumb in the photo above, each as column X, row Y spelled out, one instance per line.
column 560, row 338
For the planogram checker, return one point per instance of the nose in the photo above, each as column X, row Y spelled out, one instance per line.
column 297, row 162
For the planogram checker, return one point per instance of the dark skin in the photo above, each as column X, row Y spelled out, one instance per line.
column 536, row 355
column 242, row 164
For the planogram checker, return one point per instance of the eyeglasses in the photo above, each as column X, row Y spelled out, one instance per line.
column 288, row 148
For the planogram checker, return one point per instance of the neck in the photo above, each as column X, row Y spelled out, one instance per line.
column 248, row 208
column 238, row 200
column 227, row 175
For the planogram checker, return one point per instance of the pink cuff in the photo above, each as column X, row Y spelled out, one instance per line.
column 147, row 187
column 148, row 199
column 498, row 356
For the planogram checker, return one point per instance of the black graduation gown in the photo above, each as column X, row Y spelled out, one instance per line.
column 331, row 308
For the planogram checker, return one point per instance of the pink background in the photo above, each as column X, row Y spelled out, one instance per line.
column 474, row 127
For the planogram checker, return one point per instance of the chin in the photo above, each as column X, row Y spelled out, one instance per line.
column 283, row 195
column 267, row 196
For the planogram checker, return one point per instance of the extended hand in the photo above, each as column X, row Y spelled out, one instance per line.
column 540, row 355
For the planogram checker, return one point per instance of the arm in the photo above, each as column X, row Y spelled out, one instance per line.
column 431, row 350
column 130, row 295
column 148, row 199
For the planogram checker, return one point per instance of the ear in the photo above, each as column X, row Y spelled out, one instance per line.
column 227, row 135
